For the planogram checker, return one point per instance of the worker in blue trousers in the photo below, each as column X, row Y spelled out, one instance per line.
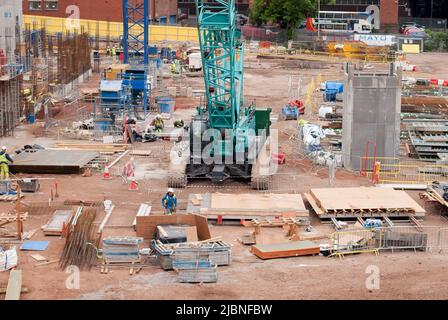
column 4, row 167
column 169, row 202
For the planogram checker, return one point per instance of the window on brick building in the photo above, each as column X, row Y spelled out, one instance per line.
column 35, row 5
column 51, row 5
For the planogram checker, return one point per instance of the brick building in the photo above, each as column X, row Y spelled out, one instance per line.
column 188, row 6
column 106, row 10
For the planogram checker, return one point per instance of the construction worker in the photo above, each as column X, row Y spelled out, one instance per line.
column 114, row 53
column 169, row 202
column 4, row 168
column 173, row 67
column 158, row 123
column 108, row 51
column 184, row 57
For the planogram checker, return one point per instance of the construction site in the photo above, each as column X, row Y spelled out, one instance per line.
column 169, row 162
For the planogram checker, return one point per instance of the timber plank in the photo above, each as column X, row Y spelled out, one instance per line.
column 14, row 285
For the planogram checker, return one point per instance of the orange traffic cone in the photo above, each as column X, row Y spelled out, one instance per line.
column 106, row 174
column 133, row 186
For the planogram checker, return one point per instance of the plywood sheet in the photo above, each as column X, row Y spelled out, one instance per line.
column 52, row 161
column 14, row 285
column 192, row 234
column 286, row 249
column 272, row 203
column 363, row 198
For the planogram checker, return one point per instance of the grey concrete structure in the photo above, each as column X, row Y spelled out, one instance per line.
column 372, row 105
column 10, row 17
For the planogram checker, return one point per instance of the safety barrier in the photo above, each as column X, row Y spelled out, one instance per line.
column 396, row 170
column 416, row 238
column 110, row 30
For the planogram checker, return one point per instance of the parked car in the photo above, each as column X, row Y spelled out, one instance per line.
column 408, row 25
column 242, row 19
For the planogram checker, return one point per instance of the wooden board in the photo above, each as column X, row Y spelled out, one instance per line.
column 38, row 257
column 147, row 225
column 14, row 285
column 364, row 198
column 141, row 153
column 192, row 234
column 286, row 249
column 250, row 202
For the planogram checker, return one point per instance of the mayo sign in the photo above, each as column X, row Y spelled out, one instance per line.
column 375, row 39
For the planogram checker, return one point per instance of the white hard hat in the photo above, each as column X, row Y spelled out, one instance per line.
column 158, row 116
column 4, row 148
column 171, row 190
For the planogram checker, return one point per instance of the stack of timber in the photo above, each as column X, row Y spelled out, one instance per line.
column 249, row 206
column 10, row 197
column 218, row 252
column 121, row 249
column 329, row 203
column 57, row 223
column 82, row 240
column 436, row 194
column 98, row 147
column 285, row 250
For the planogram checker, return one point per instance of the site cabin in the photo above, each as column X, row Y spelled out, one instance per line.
column 335, row 21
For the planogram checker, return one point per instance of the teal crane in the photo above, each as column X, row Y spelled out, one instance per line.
column 238, row 127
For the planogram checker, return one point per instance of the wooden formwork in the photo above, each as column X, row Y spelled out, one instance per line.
column 329, row 203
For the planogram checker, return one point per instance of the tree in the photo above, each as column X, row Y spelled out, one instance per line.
column 286, row 13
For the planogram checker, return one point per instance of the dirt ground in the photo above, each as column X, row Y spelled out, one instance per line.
column 403, row 275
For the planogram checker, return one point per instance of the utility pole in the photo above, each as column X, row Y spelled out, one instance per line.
column 432, row 7
column 318, row 19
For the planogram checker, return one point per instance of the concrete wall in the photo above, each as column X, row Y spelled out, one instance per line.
column 10, row 12
column 372, row 105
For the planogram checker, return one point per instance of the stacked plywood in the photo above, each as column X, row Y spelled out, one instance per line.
column 246, row 206
column 286, row 249
column 362, row 201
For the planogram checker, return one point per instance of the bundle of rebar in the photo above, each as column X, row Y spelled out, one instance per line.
column 82, row 241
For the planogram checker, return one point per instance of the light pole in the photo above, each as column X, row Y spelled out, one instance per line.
column 318, row 19
column 432, row 6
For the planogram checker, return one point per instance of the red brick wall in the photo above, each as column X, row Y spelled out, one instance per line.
column 100, row 9
column 389, row 15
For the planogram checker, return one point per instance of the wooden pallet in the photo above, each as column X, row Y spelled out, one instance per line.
column 12, row 217
column 132, row 264
column 9, row 197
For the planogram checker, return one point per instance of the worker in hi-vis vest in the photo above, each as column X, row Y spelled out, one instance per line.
column 4, row 164
column 169, row 202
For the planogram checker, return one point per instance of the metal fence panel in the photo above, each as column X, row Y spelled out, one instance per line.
column 426, row 239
